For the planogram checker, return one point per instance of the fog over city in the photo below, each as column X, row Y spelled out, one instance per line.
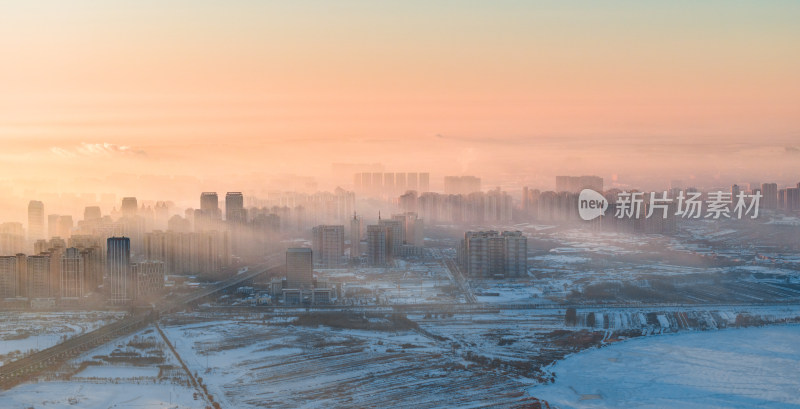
column 411, row 204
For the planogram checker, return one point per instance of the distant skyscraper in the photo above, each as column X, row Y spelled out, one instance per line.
column 35, row 220
column 413, row 229
column 792, row 199
column 39, row 285
column 424, row 182
column 396, row 236
column 129, row 207
column 234, row 207
column 328, row 245
column 209, row 204
column 8, row 277
column 299, row 267
column 92, row 213
column 118, row 259
column 378, row 251
column 73, row 274
column 355, row 237
column 770, row 193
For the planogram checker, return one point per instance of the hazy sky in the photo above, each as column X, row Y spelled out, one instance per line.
column 515, row 91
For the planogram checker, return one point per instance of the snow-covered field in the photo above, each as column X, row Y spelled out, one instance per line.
column 734, row 368
column 23, row 332
column 72, row 395
column 249, row 365
column 118, row 371
column 140, row 380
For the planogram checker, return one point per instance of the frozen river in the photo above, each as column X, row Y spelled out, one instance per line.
column 734, row 368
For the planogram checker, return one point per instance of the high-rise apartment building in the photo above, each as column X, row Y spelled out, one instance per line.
column 209, row 205
column 121, row 288
column 299, row 267
column 355, row 237
column 39, row 282
column 491, row 254
column 234, row 208
column 130, row 207
column 378, row 245
column 35, row 220
column 791, row 199
column 205, row 252
column 148, row 277
column 395, row 235
column 8, row 277
column 413, row 229
column 73, row 274
column 91, row 213
column 516, row 254
column 328, row 245
column 424, row 182
column 769, row 199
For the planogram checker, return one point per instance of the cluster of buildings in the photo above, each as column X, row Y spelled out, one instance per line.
column 203, row 252
column 491, row 254
column 67, row 273
column 786, row 199
column 561, row 206
column 128, row 282
column 293, row 212
column 328, row 246
column 390, row 184
column 494, row 206
column 402, row 235
column 118, row 257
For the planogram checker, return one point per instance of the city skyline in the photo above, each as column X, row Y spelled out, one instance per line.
column 315, row 203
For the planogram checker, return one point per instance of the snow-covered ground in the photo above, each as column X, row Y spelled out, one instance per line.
column 71, row 395
column 102, row 382
column 23, row 332
column 734, row 368
column 117, row 371
column 248, row 364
